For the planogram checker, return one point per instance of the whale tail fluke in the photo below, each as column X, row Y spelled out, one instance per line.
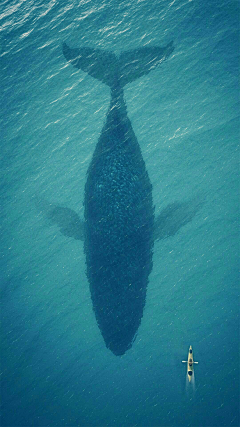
column 107, row 67
column 98, row 63
column 139, row 62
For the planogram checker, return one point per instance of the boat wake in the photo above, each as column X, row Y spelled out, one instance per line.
column 190, row 387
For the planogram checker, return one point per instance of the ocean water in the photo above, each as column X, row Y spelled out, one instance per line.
column 55, row 368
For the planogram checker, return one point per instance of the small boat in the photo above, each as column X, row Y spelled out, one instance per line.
column 190, row 364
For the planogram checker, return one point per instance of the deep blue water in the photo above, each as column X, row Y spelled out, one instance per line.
column 56, row 370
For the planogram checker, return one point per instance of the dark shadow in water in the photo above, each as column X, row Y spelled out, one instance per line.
column 118, row 228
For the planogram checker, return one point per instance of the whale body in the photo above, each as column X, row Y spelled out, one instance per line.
column 119, row 220
column 118, row 205
column 119, row 228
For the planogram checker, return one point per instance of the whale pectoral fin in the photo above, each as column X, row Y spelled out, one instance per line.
column 69, row 222
column 173, row 217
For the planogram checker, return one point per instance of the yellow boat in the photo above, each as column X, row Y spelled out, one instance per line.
column 190, row 364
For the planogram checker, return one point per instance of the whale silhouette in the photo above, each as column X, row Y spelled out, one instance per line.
column 119, row 227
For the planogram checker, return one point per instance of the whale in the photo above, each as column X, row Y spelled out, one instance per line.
column 119, row 226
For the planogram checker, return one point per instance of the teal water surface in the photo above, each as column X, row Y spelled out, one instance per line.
column 56, row 370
